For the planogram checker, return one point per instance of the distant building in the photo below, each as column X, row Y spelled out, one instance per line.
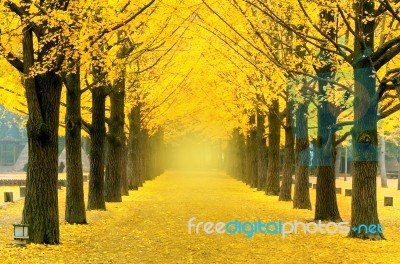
column 10, row 150
column 12, row 139
column 14, row 144
column 22, row 161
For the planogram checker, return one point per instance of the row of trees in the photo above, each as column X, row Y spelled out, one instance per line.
column 93, row 64
column 133, row 74
column 317, row 68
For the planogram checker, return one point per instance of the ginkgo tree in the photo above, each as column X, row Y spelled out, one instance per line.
column 44, row 44
column 318, row 46
column 138, row 73
column 39, row 57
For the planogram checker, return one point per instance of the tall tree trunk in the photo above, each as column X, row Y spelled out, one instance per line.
column 151, row 157
column 364, row 133
column 326, row 203
column 228, row 162
column 158, row 152
column 261, row 152
column 382, row 159
column 247, row 162
column 324, row 151
column 234, row 158
column 124, row 173
column 75, row 212
column 239, row 157
column 274, row 136
column 345, row 164
column 161, row 152
column 134, row 171
column 116, row 142
column 97, row 135
column 144, row 156
column 398, row 173
column 301, row 198
column 249, row 153
column 41, row 201
column 326, row 208
column 43, row 93
column 252, row 154
column 154, row 156
column 365, row 161
column 382, row 162
column 233, row 151
column 338, row 159
column 285, row 193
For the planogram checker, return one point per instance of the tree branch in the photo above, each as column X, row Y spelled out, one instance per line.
column 86, row 126
column 389, row 112
column 118, row 26
column 23, row 14
column 346, row 22
column 14, row 61
column 388, row 55
column 390, row 9
column 341, row 139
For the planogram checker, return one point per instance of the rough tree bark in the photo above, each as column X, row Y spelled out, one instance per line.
column 251, row 157
column 247, row 168
column 345, row 164
column 97, row 135
column 228, row 158
column 301, row 199
column 144, row 156
column 116, row 142
column 261, row 152
column 75, row 212
column 338, row 160
column 285, row 193
column 161, row 152
column 236, row 148
column 382, row 162
column 150, row 157
column 272, row 182
column 158, row 152
column 124, row 173
column 134, row 172
column 153, row 157
column 326, row 204
column 43, row 93
column 253, row 161
column 233, row 154
column 364, row 133
column 41, row 201
column 398, row 173
column 326, row 207
column 240, row 148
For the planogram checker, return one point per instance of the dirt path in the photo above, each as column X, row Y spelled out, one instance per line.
column 151, row 226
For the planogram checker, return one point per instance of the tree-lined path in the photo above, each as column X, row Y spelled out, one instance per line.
column 151, row 226
column 273, row 93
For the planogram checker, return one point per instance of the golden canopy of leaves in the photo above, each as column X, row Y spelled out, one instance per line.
column 201, row 65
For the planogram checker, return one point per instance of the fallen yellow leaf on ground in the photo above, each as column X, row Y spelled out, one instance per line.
column 151, row 226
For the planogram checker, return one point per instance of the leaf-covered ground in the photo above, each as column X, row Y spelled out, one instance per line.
column 151, row 226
